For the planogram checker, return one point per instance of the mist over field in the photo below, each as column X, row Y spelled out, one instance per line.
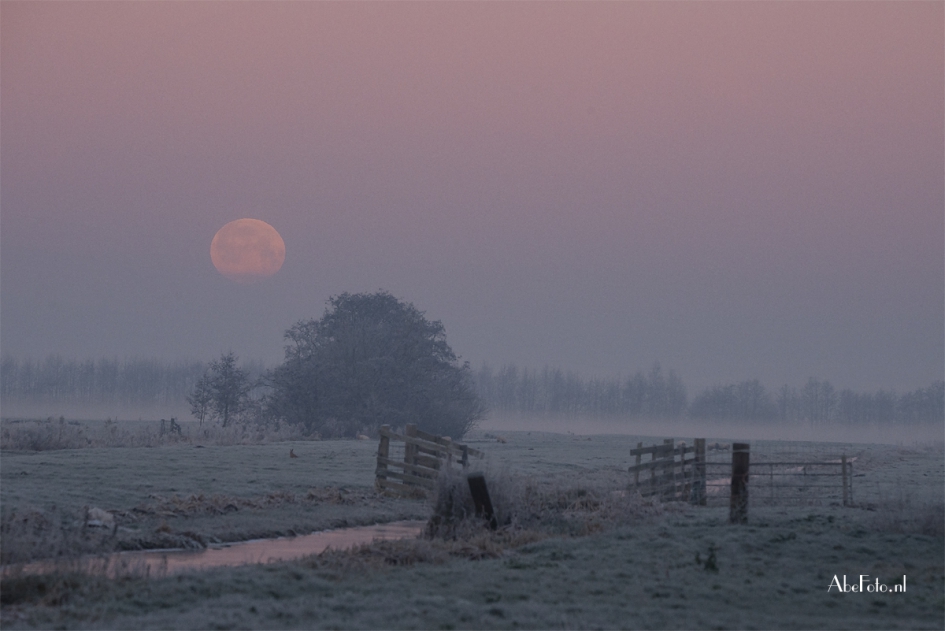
column 687, row 429
column 655, row 403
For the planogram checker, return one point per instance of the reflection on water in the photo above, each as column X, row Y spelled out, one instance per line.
column 163, row 562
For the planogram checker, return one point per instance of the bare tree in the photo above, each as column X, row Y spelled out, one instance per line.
column 201, row 399
column 222, row 393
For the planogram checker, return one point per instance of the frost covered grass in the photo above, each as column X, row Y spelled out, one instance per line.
column 184, row 496
column 572, row 547
column 657, row 573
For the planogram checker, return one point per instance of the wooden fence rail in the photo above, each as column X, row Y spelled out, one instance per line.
column 425, row 455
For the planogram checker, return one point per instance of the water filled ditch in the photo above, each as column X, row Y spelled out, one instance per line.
column 166, row 562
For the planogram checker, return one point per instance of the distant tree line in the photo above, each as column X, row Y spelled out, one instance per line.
column 371, row 360
column 555, row 392
column 146, row 382
column 818, row 402
column 657, row 395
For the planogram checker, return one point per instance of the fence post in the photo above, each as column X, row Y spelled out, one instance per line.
column 383, row 451
column 843, row 464
column 682, row 472
column 738, row 506
column 699, row 478
column 636, row 472
column 480, row 495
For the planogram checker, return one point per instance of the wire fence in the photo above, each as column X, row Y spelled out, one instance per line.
column 785, row 482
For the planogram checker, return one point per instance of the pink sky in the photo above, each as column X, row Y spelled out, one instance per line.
column 736, row 190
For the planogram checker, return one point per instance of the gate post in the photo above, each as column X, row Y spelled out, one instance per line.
column 738, row 506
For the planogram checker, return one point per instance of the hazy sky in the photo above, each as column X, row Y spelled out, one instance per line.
column 738, row 189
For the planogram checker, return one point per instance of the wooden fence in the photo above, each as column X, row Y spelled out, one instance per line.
column 424, row 456
column 673, row 471
column 677, row 471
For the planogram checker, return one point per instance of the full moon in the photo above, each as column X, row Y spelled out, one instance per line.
column 247, row 250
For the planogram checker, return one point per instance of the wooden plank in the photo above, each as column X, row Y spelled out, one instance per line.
column 435, row 452
column 447, row 444
column 433, row 438
column 428, row 462
column 419, row 443
column 452, row 445
column 453, row 449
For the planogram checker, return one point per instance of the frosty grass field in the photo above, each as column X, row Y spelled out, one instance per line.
column 589, row 555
